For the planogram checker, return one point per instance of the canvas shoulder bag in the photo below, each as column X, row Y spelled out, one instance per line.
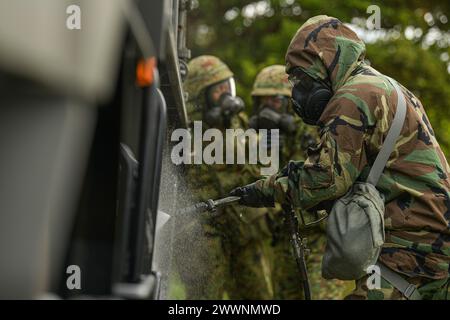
column 355, row 226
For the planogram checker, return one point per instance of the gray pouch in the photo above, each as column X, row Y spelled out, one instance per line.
column 355, row 226
column 355, row 232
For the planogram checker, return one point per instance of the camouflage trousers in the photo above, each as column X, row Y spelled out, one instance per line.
column 429, row 290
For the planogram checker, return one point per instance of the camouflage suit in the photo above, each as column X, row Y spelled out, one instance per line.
column 273, row 81
column 352, row 128
column 228, row 252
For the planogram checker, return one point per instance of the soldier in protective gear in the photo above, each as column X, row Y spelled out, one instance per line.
column 271, row 96
column 228, row 254
column 212, row 92
column 353, row 106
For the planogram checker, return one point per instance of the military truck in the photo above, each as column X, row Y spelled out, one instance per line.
column 89, row 92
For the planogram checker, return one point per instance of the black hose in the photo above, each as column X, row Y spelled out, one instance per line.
column 291, row 224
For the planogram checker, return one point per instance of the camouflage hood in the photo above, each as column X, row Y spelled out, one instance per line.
column 325, row 49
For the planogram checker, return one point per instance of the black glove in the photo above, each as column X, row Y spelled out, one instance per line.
column 251, row 196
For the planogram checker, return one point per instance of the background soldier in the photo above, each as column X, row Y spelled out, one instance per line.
column 271, row 98
column 228, row 253
column 272, row 110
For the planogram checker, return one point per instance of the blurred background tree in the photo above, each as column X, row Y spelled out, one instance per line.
column 412, row 46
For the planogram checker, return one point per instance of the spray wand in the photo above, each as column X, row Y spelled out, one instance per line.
column 208, row 206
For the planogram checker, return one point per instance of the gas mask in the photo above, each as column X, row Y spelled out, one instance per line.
column 309, row 96
column 222, row 104
column 268, row 117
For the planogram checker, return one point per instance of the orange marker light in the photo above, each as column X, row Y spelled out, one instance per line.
column 144, row 71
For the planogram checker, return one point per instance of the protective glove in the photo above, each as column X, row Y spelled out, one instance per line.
column 252, row 196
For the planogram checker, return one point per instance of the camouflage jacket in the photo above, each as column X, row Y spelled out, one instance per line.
column 352, row 128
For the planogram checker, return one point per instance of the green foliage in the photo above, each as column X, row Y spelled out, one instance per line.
column 248, row 43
